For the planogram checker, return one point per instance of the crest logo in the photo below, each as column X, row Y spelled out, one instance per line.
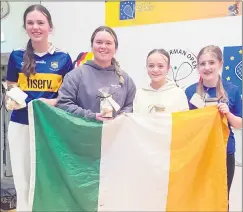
column 238, row 70
column 54, row 65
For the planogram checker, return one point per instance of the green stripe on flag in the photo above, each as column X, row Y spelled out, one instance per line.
column 62, row 141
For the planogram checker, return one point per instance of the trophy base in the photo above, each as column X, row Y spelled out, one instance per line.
column 107, row 115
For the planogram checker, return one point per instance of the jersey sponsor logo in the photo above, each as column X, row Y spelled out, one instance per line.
column 40, row 82
column 37, row 61
column 41, row 61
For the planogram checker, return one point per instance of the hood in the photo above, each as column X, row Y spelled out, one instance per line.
column 168, row 86
column 97, row 67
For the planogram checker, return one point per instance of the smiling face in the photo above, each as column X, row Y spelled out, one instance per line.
column 158, row 67
column 37, row 26
column 209, row 66
column 103, row 47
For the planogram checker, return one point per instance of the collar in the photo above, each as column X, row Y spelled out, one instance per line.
column 50, row 50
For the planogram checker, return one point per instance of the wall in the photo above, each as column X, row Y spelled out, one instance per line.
column 136, row 42
column 12, row 27
column 74, row 23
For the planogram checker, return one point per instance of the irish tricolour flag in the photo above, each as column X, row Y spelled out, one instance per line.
column 156, row 162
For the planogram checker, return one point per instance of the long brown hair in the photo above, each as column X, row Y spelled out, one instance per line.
column 29, row 57
column 114, row 62
column 217, row 53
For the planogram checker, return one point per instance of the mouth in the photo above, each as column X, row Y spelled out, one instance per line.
column 103, row 53
column 207, row 72
column 156, row 75
column 36, row 34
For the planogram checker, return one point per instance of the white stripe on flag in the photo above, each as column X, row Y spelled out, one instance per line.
column 135, row 151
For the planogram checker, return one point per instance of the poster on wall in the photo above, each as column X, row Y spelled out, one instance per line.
column 183, row 67
column 82, row 58
column 232, row 71
column 133, row 13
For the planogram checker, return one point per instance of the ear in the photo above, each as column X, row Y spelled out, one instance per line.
column 50, row 30
column 222, row 62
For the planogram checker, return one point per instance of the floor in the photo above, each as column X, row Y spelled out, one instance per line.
column 236, row 191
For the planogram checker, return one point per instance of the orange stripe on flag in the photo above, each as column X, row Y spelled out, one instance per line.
column 198, row 180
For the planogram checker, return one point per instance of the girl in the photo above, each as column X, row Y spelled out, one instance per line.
column 160, row 95
column 210, row 85
column 38, row 71
column 80, row 93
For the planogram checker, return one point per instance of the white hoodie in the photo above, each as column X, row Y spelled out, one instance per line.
column 169, row 96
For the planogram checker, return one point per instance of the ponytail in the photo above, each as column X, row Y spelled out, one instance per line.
column 29, row 60
column 221, row 93
column 200, row 89
column 118, row 70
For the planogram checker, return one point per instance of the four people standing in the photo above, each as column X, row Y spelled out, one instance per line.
column 101, row 90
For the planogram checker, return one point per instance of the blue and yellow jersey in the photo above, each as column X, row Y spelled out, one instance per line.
column 51, row 67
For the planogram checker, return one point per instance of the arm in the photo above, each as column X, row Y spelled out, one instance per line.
column 234, row 117
column 69, row 65
column 128, row 105
column 67, row 98
column 136, row 103
column 51, row 102
column 183, row 102
column 234, row 121
column 12, row 81
column 12, row 72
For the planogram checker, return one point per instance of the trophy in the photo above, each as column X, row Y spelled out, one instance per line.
column 107, row 103
column 15, row 98
column 211, row 101
column 158, row 108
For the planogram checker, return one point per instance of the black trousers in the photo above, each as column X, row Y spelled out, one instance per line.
column 230, row 171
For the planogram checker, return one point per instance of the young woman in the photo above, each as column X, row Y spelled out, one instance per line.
column 210, row 85
column 160, row 95
column 80, row 92
column 38, row 71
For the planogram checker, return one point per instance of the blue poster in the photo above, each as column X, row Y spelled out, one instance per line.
column 232, row 70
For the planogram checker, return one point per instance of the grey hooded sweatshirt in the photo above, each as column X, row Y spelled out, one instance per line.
column 79, row 93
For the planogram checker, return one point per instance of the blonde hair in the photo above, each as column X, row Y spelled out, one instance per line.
column 114, row 62
column 217, row 53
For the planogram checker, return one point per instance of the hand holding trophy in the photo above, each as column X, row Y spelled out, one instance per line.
column 107, row 105
column 15, row 98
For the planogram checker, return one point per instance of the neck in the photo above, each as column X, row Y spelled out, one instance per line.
column 40, row 47
column 157, row 85
column 211, row 83
column 102, row 64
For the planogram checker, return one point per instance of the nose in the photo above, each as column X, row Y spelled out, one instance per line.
column 206, row 66
column 103, row 45
column 35, row 26
column 155, row 69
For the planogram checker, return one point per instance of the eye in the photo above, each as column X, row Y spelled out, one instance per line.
column 98, row 42
column 211, row 63
column 41, row 22
column 150, row 66
column 161, row 66
column 30, row 22
column 202, row 64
